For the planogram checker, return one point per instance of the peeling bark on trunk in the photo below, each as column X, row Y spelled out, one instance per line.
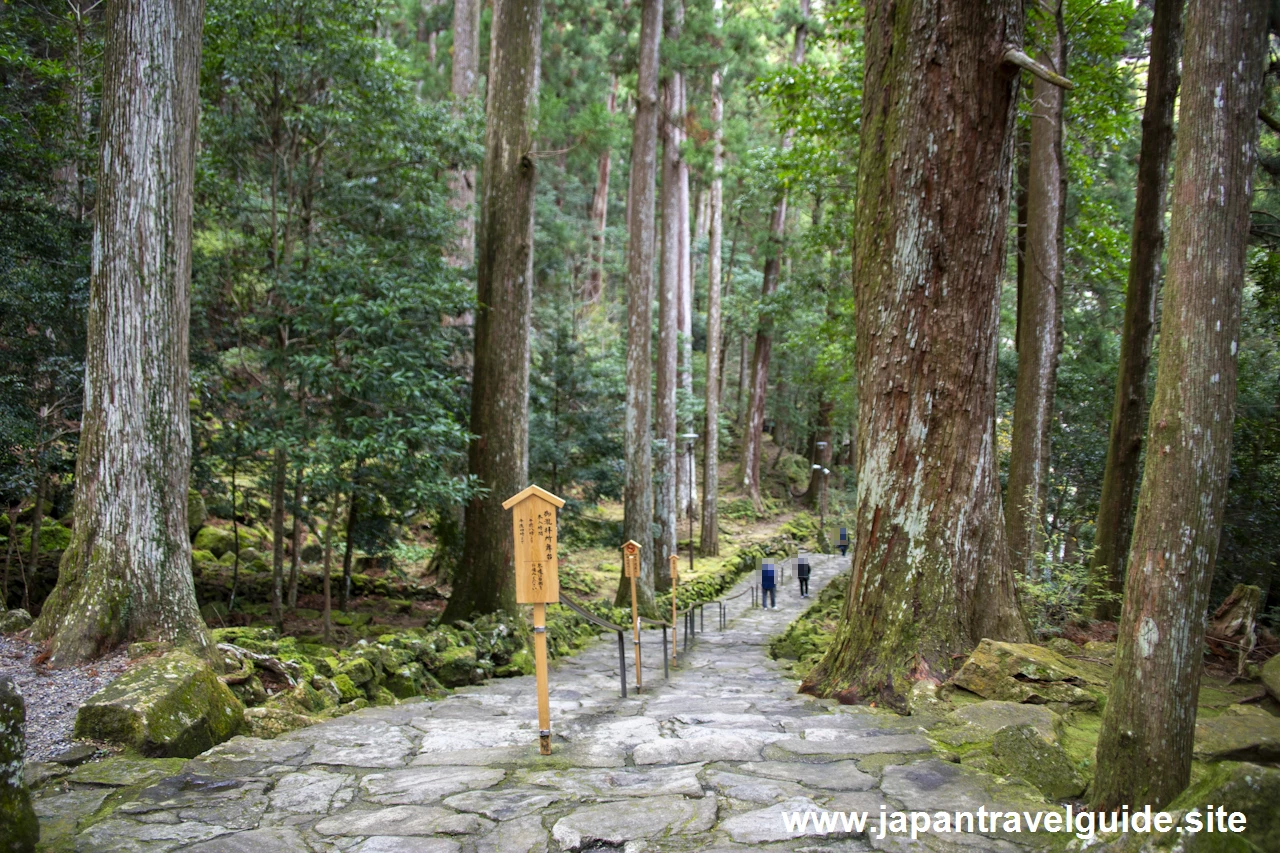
column 686, row 492
column 930, row 565
column 637, row 524
column 499, row 456
column 1144, row 750
column 594, row 284
column 127, row 572
column 295, row 547
column 1039, row 308
column 464, row 77
column 709, row 535
column 1128, row 414
column 753, row 426
column 277, row 538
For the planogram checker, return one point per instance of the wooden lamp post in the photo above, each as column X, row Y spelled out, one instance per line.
column 533, row 523
column 631, row 568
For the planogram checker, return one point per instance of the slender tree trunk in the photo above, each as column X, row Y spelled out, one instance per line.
column 1144, row 750
column 637, row 524
column 349, row 549
column 499, row 457
column 1128, row 414
column 37, row 518
column 744, row 367
column 463, row 86
column 666, row 473
column 709, row 537
column 753, row 426
column 1039, row 336
column 295, row 550
column 277, row 537
column 594, row 284
column 686, row 492
column 235, row 532
column 816, row 494
column 931, row 573
column 127, row 572
column 328, row 565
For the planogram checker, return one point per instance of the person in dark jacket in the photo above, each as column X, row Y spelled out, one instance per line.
column 803, row 570
column 769, row 586
column 844, row 540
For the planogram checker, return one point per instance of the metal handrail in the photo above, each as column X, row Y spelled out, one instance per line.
column 588, row 615
column 619, row 630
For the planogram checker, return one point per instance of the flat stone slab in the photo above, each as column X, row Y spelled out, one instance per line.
column 675, row 781
column 936, row 785
column 405, row 844
column 709, row 747
column 843, row 743
column 422, row 785
column 522, row 835
column 283, row 839
column 831, row 776
column 371, row 745
column 980, row 722
column 618, row 823
column 753, row 789
column 504, row 805
column 766, row 825
column 403, row 820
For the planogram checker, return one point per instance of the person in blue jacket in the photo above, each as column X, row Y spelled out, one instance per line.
column 803, row 570
column 844, row 540
column 769, row 586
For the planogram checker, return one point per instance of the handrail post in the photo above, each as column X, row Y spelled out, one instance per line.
column 702, row 618
column 622, row 664
column 666, row 673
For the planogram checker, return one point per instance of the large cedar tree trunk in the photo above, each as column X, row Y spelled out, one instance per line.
column 127, row 572
column 463, row 80
column 637, row 524
column 594, row 284
column 709, row 536
column 1039, row 306
column 931, row 574
column 1128, row 414
column 666, row 474
column 1144, row 750
column 499, row 455
column 753, row 425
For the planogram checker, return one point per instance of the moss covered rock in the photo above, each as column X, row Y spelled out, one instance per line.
column 1241, row 733
column 217, row 540
column 13, row 621
column 358, row 670
column 268, row 722
column 1020, row 672
column 1271, row 677
column 1025, row 752
column 19, row 829
column 347, row 689
column 458, row 667
column 171, row 706
column 197, row 512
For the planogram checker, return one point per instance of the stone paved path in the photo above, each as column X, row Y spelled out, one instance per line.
column 706, row 761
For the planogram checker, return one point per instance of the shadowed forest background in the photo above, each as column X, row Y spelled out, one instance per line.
column 357, row 407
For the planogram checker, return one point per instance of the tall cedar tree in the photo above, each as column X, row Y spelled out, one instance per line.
column 1039, row 331
column 463, row 80
column 127, row 572
column 1128, row 417
column 1144, row 750
column 753, row 430
column 709, row 541
column 931, row 573
column 637, row 523
column 499, row 456
column 670, row 294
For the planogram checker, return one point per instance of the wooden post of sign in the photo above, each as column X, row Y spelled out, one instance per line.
column 533, row 523
column 631, row 568
column 675, row 575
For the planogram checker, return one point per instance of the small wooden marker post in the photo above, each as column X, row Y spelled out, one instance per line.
column 631, row 568
column 675, row 576
column 533, row 524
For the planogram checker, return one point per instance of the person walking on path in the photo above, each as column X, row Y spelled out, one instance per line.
column 844, row 540
column 769, row 586
column 803, row 570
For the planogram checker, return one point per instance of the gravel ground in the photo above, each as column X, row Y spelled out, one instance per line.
column 52, row 696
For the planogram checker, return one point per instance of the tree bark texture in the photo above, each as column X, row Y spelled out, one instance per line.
column 463, row 83
column 666, row 471
column 1144, row 750
column 709, row 535
column 930, row 564
column 594, row 284
column 295, row 546
column 1039, row 306
column 753, row 427
column 127, row 572
column 637, row 524
column 1128, row 414
column 281, row 470
column 499, row 455
column 686, row 491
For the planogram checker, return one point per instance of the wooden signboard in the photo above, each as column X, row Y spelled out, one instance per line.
column 631, row 569
column 533, row 524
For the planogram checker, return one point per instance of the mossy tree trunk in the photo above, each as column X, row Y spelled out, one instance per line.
column 463, row 83
column 637, row 495
column 931, row 574
column 1039, row 336
column 127, row 572
column 280, row 470
column 499, row 455
column 1128, row 414
column 1144, row 749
